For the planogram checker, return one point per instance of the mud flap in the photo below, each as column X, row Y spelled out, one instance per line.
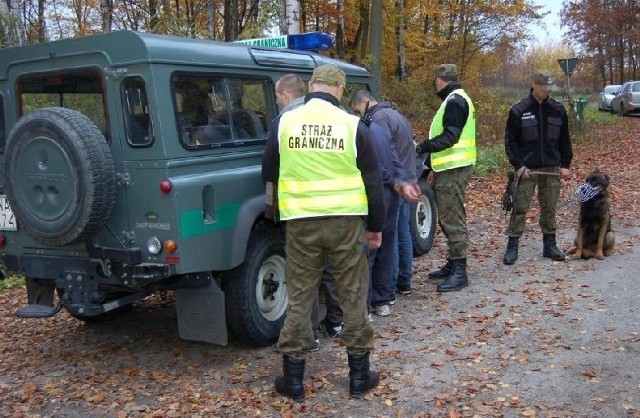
column 201, row 314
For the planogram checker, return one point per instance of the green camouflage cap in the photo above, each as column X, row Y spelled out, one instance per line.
column 447, row 71
column 330, row 75
column 544, row 78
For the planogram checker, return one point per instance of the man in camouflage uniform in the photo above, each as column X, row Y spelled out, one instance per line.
column 537, row 138
column 452, row 145
column 328, row 178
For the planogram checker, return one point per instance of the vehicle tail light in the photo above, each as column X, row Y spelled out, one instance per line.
column 3, row 240
column 166, row 186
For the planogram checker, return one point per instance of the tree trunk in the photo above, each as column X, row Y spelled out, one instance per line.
column 340, row 41
column 291, row 17
column 11, row 25
column 401, row 70
column 230, row 20
column 376, row 44
column 106, row 13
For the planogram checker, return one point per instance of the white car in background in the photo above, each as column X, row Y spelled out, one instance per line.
column 607, row 93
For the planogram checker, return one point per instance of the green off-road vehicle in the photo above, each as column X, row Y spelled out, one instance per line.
column 131, row 164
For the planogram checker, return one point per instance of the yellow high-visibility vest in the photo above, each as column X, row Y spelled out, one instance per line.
column 318, row 171
column 464, row 152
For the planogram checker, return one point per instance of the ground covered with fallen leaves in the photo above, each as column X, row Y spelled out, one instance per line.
column 537, row 339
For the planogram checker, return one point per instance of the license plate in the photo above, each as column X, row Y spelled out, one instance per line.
column 7, row 220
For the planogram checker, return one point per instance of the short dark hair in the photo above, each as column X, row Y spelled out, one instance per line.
column 293, row 84
column 361, row 95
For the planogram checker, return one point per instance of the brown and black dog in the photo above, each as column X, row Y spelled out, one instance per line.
column 594, row 237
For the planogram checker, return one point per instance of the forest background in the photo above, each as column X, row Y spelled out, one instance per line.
column 401, row 41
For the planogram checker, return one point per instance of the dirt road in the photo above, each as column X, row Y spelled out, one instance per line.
column 540, row 338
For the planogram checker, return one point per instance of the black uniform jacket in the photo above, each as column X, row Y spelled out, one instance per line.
column 537, row 134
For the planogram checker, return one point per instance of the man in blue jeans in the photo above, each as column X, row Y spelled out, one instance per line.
column 398, row 128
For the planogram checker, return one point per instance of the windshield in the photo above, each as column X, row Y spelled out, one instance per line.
column 611, row 89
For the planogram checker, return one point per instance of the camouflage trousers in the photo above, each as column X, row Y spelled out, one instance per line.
column 309, row 242
column 548, row 194
column 452, row 217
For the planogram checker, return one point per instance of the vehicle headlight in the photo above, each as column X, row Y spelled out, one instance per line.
column 154, row 245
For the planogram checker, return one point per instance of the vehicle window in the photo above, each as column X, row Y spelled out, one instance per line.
column 79, row 90
column 636, row 87
column 2, row 138
column 213, row 111
column 611, row 89
column 136, row 112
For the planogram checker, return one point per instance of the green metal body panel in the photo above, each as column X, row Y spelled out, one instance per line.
column 217, row 194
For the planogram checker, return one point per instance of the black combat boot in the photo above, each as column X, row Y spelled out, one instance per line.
column 361, row 377
column 443, row 273
column 458, row 277
column 511, row 255
column 290, row 384
column 550, row 249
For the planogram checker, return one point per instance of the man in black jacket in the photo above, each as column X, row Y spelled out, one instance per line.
column 537, row 139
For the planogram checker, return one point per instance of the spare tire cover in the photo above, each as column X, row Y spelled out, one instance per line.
column 60, row 177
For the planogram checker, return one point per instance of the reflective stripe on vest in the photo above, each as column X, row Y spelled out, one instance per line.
column 464, row 152
column 318, row 171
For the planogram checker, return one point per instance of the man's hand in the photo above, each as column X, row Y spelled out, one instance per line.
column 523, row 172
column 410, row 191
column 565, row 174
column 373, row 239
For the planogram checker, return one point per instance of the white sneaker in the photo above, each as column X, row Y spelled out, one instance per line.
column 383, row 310
column 370, row 318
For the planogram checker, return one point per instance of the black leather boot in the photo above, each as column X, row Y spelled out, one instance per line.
column 511, row 255
column 442, row 273
column 458, row 277
column 290, row 384
column 361, row 377
column 550, row 249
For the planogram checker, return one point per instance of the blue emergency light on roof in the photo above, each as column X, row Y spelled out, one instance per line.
column 309, row 41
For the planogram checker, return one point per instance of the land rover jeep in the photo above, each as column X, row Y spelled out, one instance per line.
column 131, row 164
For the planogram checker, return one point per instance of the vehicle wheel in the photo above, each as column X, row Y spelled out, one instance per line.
column 255, row 292
column 422, row 221
column 60, row 176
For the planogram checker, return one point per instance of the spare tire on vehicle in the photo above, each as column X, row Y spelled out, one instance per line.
column 60, row 177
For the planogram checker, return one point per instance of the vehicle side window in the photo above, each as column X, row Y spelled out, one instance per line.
column 80, row 90
column 214, row 111
column 2, row 138
column 136, row 112
column 636, row 87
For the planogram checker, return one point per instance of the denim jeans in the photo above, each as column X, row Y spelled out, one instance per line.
column 403, row 254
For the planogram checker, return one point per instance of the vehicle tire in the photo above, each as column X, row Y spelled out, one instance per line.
column 255, row 292
column 60, row 176
column 422, row 221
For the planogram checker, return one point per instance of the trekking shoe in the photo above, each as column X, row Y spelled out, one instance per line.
column 382, row 310
column 403, row 289
column 332, row 329
column 392, row 299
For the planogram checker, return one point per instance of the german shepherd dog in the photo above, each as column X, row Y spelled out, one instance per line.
column 594, row 237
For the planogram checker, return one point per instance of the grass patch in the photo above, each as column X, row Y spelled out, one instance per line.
column 491, row 160
column 11, row 282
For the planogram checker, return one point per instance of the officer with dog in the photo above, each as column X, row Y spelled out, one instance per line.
column 328, row 178
column 538, row 146
column 452, row 146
